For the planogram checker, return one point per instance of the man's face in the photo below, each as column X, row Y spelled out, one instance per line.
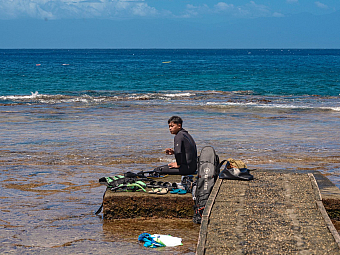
column 174, row 128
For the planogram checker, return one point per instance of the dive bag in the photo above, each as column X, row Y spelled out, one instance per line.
column 208, row 169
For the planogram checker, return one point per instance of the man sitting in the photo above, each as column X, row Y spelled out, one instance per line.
column 184, row 150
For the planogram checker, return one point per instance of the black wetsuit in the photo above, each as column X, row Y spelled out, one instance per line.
column 185, row 153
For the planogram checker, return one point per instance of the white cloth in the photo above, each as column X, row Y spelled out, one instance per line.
column 167, row 240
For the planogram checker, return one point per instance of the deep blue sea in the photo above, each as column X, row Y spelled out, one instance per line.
column 259, row 72
column 70, row 117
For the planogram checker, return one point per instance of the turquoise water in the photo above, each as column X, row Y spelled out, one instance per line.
column 261, row 72
column 70, row 117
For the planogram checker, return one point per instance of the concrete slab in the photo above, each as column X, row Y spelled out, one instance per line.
column 122, row 205
column 279, row 212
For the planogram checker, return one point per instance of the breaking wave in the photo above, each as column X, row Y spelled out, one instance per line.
column 271, row 106
column 216, row 99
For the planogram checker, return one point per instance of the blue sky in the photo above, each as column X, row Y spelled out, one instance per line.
column 169, row 24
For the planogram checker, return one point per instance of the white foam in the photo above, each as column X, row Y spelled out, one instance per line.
column 141, row 97
column 337, row 109
column 257, row 105
column 32, row 96
column 278, row 106
column 230, row 103
column 180, row 95
column 52, row 99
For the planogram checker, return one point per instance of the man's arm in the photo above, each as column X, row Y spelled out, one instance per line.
column 170, row 151
column 177, row 151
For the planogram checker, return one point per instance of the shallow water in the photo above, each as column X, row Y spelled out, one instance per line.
column 53, row 155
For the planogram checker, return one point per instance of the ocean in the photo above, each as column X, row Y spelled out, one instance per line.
column 70, row 117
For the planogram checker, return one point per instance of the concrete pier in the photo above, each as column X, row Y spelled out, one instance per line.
column 279, row 212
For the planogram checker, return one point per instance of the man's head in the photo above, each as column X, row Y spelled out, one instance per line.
column 175, row 124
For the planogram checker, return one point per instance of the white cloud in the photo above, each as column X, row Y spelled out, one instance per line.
column 278, row 15
column 193, row 10
column 321, row 5
column 142, row 9
column 257, row 10
column 221, row 6
column 57, row 9
column 115, row 9
column 249, row 10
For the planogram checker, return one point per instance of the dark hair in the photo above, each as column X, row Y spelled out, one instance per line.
column 175, row 119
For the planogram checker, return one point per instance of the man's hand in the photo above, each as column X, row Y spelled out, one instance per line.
column 173, row 165
column 169, row 151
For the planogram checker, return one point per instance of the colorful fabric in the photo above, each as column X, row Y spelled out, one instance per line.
column 157, row 240
column 149, row 241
